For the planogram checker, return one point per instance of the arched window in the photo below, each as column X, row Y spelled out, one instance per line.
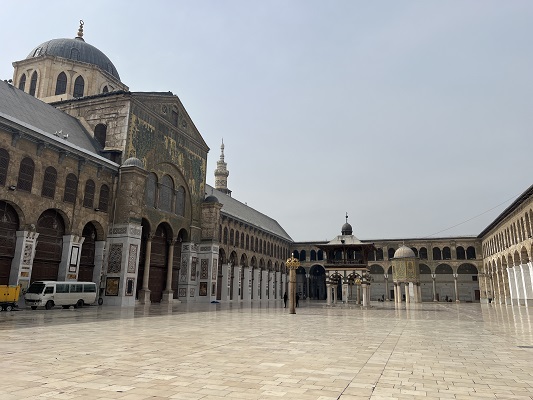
column 4, row 164
column 180, row 201
column 255, row 244
column 313, row 255
column 166, row 191
column 220, row 233
column 446, row 253
column 151, row 183
column 436, row 253
column 100, row 132
column 61, row 83
column 33, row 83
column 225, row 241
column 79, row 86
column 71, row 189
column 460, row 253
column 379, row 254
column 242, row 240
column 105, row 89
column 27, row 168
column 302, row 255
column 88, row 198
column 415, row 250
column 236, row 238
column 247, row 242
column 320, row 255
column 22, row 82
column 390, row 252
column 49, row 183
column 471, row 253
column 104, row 198
column 423, row 253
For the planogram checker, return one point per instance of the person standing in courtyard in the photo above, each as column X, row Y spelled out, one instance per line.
column 285, row 297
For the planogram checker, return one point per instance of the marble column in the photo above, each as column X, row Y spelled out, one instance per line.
column 144, row 293
column 168, row 293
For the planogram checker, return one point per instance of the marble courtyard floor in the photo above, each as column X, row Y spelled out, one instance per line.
column 260, row 351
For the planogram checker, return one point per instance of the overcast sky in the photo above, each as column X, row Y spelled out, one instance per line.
column 411, row 116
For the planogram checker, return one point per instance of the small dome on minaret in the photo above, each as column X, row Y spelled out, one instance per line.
column 222, row 173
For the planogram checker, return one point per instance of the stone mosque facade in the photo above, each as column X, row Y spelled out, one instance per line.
column 99, row 183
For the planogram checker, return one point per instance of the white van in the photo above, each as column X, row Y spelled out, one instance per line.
column 66, row 294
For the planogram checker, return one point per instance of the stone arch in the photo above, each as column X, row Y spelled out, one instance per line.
column 51, row 227
column 9, row 224
column 222, row 258
column 524, row 256
column 467, row 269
column 443, row 269
column 424, row 269
column 376, row 269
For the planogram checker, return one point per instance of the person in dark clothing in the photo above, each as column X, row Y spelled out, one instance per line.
column 285, row 297
column 297, row 299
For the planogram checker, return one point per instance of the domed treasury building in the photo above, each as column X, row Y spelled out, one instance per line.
column 100, row 183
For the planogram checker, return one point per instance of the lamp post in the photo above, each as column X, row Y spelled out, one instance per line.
column 455, row 276
column 293, row 264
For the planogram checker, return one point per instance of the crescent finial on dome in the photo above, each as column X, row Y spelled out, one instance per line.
column 80, row 30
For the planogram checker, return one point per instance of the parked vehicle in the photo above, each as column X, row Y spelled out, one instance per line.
column 8, row 297
column 65, row 294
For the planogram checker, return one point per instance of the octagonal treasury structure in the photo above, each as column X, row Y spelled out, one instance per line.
column 406, row 271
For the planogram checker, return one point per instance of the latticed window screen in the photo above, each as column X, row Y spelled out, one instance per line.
column 104, row 198
column 33, row 83
column 79, row 86
column 88, row 198
column 61, row 83
column 4, row 164
column 71, row 188
column 166, row 191
column 22, row 82
column 25, row 181
column 49, row 183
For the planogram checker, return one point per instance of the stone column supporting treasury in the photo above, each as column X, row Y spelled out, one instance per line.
column 387, row 293
column 456, row 287
column 395, row 292
column 307, row 278
column 407, row 295
column 144, row 294
column 364, row 288
column 433, row 277
column 328, row 294
column 345, row 293
column 293, row 264
column 168, row 293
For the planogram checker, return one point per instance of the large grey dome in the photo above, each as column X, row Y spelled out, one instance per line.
column 404, row 252
column 77, row 50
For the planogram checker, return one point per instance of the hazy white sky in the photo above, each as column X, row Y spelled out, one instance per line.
column 412, row 116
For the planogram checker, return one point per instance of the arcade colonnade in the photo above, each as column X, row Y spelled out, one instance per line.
column 508, row 278
column 442, row 282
